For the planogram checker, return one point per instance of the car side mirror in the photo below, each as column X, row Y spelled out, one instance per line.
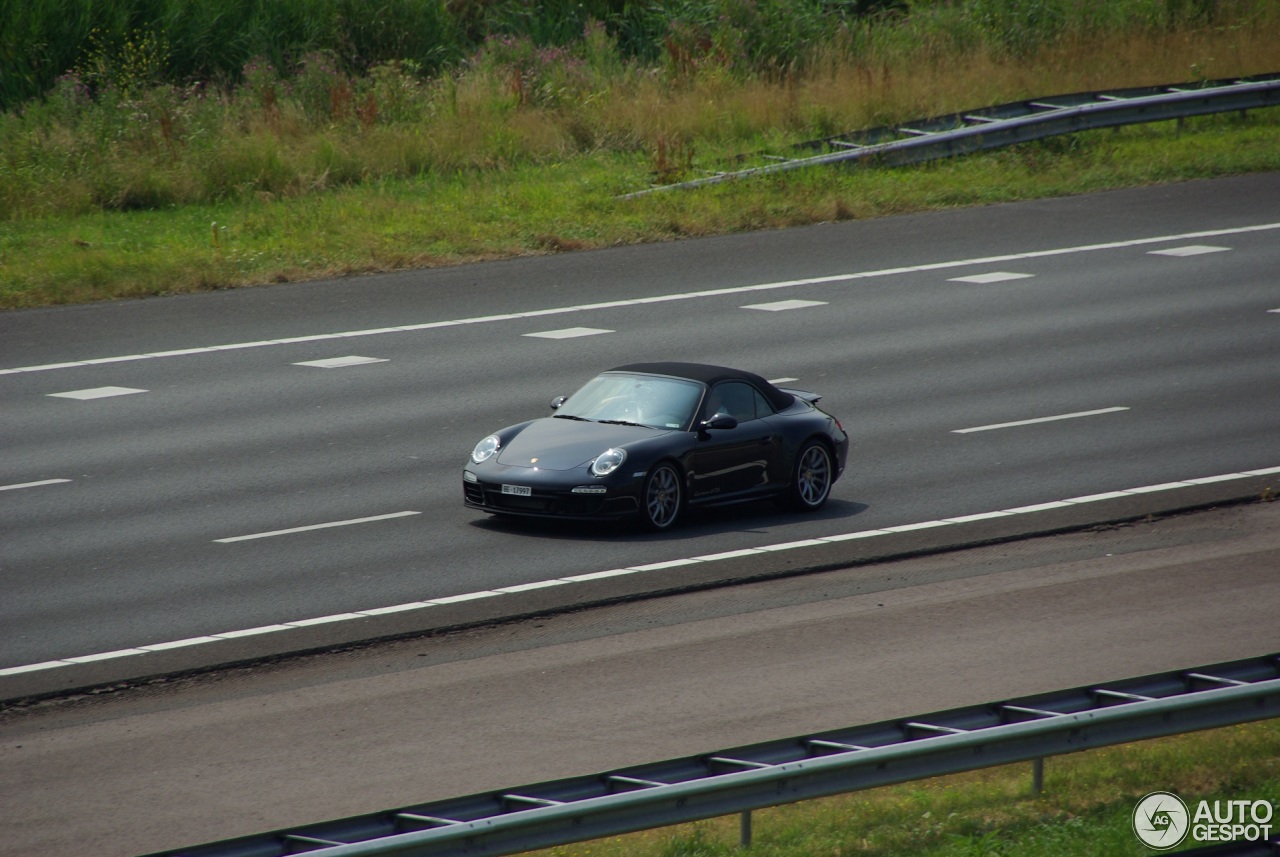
column 558, row 401
column 722, row 423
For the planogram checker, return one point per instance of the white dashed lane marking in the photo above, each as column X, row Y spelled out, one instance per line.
column 782, row 306
column 656, row 299
column 568, row 333
column 1017, row 423
column 309, row 527
column 97, row 393
column 341, row 362
column 1190, row 250
column 32, row 484
column 635, row 569
column 993, row 277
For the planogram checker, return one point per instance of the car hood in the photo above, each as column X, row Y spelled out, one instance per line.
column 563, row 444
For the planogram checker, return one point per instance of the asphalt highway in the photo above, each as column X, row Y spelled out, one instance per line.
column 186, row 469
column 238, row 752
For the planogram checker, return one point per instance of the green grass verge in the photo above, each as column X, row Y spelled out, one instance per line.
column 1084, row 810
column 121, row 182
column 570, row 205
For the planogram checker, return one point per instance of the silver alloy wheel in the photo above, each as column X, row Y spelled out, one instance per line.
column 662, row 497
column 813, row 476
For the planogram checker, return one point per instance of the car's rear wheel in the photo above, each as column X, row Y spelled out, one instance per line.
column 663, row 497
column 812, row 478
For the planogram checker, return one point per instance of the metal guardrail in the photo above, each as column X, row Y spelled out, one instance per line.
column 1017, row 122
column 761, row 775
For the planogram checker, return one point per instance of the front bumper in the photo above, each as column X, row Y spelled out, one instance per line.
column 548, row 498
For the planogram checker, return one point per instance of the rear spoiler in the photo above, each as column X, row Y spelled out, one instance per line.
column 811, row 398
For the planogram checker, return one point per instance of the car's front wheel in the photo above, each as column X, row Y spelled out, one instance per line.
column 662, row 497
column 811, row 481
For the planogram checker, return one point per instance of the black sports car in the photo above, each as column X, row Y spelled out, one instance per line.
column 651, row 439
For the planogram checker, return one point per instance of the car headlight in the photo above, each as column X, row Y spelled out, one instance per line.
column 608, row 461
column 486, row 449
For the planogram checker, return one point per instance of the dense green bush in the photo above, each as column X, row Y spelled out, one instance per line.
column 139, row 41
column 131, row 43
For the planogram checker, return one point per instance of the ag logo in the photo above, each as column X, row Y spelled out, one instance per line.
column 1160, row 820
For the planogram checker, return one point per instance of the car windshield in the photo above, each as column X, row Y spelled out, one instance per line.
column 647, row 400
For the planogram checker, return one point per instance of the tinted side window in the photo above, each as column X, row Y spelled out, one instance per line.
column 763, row 408
column 740, row 401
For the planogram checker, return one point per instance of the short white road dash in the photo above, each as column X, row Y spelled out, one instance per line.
column 340, row 362
column 325, row 526
column 783, row 306
column 97, row 393
column 32, row 484
column 776, row 381
column 569, row 333
column 517, row 589
column 1189, row 250
column 993, row 277
column 1076, row 415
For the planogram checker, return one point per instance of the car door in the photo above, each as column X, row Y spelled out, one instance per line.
column 734, row 462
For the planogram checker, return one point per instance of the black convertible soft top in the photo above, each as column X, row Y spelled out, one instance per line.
column 709, row 375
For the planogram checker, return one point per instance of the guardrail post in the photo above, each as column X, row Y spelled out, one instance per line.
column 1037, row 776
column 744, row 829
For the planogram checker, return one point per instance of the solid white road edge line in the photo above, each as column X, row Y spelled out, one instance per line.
column 786, row 284
column 596, row 575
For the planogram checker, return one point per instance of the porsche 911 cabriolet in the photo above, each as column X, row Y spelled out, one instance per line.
column 650, row 440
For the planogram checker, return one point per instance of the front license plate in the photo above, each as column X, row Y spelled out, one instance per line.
column 518, row 490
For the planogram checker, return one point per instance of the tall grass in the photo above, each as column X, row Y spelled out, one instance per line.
column 115, row 136
column 311, row 135
column 132, row 42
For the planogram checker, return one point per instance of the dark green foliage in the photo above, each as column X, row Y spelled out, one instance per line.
column 211, row 41
column 125, row 43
